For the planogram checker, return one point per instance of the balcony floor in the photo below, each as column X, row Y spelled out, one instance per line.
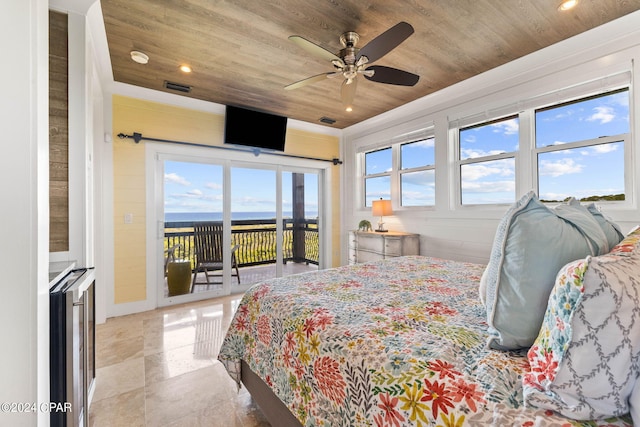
column 254, row 274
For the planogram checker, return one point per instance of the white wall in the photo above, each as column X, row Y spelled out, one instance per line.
column 467, row 233
column 24, row 217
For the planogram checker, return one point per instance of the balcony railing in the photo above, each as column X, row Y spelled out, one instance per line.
column 256, row 240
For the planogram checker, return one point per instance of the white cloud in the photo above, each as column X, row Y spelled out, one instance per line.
column 561, row 116
column 468, row 153
column 604, row 148
column 424, row 178
column 416, row 198
column 429, row 142
column 489, row 186
column 476, row 172
column 508, row 127
column 176, row 179
column 213, row 186
column 559, row 167
column 602, row 115
column 195, row 194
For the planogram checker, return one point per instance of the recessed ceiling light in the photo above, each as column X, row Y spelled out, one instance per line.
column 185, row 68
column 139, row 57
column 567, row 4
column 349, row 109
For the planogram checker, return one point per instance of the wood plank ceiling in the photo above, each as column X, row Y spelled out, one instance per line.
column 240, row 54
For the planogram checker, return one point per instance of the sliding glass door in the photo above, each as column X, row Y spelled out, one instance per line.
column 193, row 197
column 254, row 222
column 226, row 225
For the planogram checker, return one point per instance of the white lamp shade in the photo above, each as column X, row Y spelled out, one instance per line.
column 381, row 208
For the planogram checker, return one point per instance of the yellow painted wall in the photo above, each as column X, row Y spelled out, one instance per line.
column 129, row 193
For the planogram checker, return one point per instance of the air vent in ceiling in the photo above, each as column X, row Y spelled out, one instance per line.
column 177, row 86
column 327, row 120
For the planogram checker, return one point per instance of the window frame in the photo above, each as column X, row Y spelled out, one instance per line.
column 423, row 168
column 396, row 171
column 527, row 156
column 625, row 138
column 459, row 163
column 366, row 176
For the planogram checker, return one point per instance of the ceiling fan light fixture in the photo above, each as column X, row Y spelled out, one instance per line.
column 139, row 57
column 351, row 61
column 567, row 4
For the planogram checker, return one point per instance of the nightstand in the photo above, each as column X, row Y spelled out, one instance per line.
column 365, row 246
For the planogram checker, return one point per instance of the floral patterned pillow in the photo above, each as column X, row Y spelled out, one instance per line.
column 585, row 362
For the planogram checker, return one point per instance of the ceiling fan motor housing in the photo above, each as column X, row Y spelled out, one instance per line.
column 349, row 41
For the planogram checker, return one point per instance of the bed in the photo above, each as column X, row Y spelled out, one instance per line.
column 398, row 342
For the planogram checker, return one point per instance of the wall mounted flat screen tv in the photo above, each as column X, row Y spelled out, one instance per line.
column 254, row 129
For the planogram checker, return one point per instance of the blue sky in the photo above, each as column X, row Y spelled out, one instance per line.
column 198, row 187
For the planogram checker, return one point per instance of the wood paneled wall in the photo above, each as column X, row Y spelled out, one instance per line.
column 58, row 132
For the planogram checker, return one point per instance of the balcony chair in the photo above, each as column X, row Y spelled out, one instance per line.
column 207, row 241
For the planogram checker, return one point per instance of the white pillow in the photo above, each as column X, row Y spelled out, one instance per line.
column 634, row 403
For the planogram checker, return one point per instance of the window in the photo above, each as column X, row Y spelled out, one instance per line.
column 487, row 161
column 417, row 173
column 580, row 148
column 377, row 181
column 403, row 171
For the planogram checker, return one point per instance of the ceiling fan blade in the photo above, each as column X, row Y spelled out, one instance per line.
column 314, row 49
column 308, row 81
column 386, row 42
column 348, row 93
column 391, row 76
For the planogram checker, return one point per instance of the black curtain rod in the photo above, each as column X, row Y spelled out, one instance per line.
column 137, row 137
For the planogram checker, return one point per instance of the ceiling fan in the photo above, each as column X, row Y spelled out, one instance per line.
column 351, row 61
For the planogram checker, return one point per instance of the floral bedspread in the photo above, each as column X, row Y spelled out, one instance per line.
column 400, row 342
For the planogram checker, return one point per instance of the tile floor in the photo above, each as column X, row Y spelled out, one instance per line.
column 159, row 368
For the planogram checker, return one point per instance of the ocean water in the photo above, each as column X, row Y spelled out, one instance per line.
column 217, row 216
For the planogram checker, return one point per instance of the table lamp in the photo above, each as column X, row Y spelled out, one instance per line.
column 381, row 208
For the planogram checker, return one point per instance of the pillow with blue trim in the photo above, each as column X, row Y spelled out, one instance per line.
column 531, row 244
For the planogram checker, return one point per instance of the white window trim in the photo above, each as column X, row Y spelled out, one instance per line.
column 395, row 172
column 458, row 163
column 422, row 136
column 628, row 164
column 527, row 155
